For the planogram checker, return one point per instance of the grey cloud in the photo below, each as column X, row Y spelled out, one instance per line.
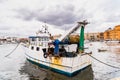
column 4, row 27
column 111, row 11
column 2, row 1
column 25, row 14
column 63, row 15
column 113, row 18
column 58, row 16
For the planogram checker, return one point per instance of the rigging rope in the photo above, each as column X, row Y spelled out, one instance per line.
column 104, row 62
column 12, row 50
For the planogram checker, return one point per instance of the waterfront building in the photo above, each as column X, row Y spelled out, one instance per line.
column 24, row 40
column 107, row 34
column 93, row 36
column 101, row 34
column 117, row 32
column 112, row 34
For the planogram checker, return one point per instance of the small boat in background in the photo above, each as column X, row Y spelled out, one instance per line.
column 102, row 49
column 119, row 42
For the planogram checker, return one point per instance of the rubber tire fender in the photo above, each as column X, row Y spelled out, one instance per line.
column 45, row 55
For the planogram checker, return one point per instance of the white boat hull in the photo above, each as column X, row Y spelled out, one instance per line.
column 68, row 66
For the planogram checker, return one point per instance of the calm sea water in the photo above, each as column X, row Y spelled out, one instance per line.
column 15, row 66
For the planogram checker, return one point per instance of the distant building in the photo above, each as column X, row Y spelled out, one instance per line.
column 6, row 39
column 74, row 38
column 53, row 37
column 117, row 32
column 12, row 39
column 101, row 36
column 93, row 36
column 24, row 40
column 112, row 34
column 107, row 34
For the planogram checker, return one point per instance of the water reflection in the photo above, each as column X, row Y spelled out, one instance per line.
column 10, row 65
column 15, row 66
column 111, row 56
column 37, row 73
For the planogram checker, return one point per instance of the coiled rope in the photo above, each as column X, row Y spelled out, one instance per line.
column 12, row 50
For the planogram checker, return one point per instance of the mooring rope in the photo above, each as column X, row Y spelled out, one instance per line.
column 12, row 50
column 104, row 62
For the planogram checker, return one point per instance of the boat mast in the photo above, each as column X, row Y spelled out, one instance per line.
column 81, row 40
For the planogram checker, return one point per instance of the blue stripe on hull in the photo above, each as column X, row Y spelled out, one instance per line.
column 57, row 70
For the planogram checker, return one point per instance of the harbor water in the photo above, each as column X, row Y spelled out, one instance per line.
column 16, row 67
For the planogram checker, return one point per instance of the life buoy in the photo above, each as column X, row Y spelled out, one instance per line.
column 45, row 55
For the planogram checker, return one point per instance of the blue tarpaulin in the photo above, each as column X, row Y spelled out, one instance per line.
column 56, row 44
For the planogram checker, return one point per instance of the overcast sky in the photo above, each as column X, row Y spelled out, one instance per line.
column 25, row 17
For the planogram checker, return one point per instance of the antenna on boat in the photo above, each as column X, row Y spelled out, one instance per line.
column 45, row 28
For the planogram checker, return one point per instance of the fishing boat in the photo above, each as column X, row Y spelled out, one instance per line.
column 59, row 55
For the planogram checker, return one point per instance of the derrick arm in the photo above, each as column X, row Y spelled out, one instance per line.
column 69, row 32
column 81, row 42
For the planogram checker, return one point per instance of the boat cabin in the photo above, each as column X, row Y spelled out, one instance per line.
column 38, row 41
column 43, row 43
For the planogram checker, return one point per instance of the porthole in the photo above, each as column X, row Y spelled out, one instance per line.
column 37, row 48
column 32, row 47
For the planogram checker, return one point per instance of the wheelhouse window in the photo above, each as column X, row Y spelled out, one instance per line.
column 43, row 39
column 46, row 39
column 33, row 39
column 39, row 39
